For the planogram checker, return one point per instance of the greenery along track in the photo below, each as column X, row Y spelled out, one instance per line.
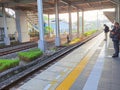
column 6, row 64
column 18, row 73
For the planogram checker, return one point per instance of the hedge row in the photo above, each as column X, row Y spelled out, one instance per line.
column 76, row 40
column 27, row 56
column 30, row 55
column 7, row 64
column 88, row 33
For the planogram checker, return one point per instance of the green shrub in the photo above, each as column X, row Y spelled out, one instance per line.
column 88, row 33
column 6, row 64
column 48, row 29
column 30, row 55
column 74, row 41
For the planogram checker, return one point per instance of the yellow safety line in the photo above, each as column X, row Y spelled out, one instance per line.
column 71, row 78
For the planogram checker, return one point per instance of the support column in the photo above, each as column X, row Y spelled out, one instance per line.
column 82, row 22
column 41, row 42
column 49, row 25
column 97, row 21
column 48, row 20
column 118, row 13
column 21, row 26
column 6, row 38
column 78, row 24
column 57, row 39
column 70, row 23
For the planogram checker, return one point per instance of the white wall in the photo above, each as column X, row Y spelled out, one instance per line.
column 10, row 24
column 22, row 27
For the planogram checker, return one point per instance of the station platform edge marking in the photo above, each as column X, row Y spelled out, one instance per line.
column 70, row 79
column 95, row 74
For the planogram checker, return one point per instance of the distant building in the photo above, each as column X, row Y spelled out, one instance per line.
column 11, row 26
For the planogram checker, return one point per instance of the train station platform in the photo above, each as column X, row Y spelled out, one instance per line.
column 89, row 67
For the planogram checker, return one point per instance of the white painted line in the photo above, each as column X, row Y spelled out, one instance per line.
column 47, row 87
column 111, row 48
column 19, row 89
column 93, row 80
column 58, row 77
column 109, row 56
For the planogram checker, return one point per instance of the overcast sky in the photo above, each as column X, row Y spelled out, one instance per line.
column 89, row 15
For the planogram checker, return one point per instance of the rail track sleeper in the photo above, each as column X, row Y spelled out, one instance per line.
column 7, row 49
column 15, row 50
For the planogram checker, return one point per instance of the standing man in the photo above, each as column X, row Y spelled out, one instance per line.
column 106, row 30
column 115, row 38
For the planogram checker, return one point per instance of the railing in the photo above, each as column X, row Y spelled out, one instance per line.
column 2, row 37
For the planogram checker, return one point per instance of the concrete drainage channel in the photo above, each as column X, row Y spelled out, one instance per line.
column 15, row 74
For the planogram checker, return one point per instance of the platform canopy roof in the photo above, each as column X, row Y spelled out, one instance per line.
column 49, row 5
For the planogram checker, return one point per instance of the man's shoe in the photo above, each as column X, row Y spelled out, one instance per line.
column 114, row 56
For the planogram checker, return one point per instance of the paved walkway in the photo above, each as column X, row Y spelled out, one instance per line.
column 90, row 67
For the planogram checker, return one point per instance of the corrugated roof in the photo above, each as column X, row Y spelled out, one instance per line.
column 49, row 5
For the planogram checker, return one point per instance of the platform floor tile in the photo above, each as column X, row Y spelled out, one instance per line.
column 47, row 76
column 34, row 84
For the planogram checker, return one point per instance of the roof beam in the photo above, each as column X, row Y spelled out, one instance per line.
column 24, row 1
column 70, row 3
column 89, row 5
column 115, row 1
column 88, row 1
column 73, row 4
column 13, row 3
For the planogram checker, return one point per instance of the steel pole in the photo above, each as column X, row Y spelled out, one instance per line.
column 78, row 24
column 70, row 23
column 57, row 40
column 41, row 42
column 82, row 22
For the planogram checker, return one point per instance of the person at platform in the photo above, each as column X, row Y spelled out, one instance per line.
column 106, row 30
column 68, row 39
column 116, row 38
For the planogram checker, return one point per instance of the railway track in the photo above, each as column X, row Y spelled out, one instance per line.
column 12, row 49
column 17, row 49
column 18, row 73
